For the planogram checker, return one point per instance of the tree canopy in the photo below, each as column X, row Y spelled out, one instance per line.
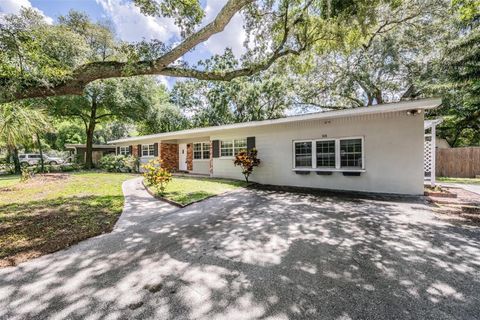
column 40, row 60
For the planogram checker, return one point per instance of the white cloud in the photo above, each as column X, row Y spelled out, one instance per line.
column 233, row 36
column 166, row 81
column 131, row 25
column 14, row 6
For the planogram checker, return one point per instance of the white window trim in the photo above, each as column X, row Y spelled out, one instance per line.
column 148, row 149
column 313, row 167
column 201, row 150
column 233, row 147
column 314, row 162
column 363, row 154
column 125, row 152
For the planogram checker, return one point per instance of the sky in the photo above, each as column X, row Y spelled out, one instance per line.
column 130, row 25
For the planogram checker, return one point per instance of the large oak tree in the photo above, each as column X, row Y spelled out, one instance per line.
column 40, row 60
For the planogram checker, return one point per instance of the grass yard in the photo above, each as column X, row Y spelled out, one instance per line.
column 186, row 190
column 53, row 211
column 459, row 180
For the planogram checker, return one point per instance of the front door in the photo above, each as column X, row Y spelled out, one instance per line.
column 182, row 157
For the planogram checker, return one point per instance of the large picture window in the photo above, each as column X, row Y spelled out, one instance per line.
column 325, row 154
column 329, row 154
column 148, row 150
column 230, row 148
column 303, row 154
column 201, row 150
column 351, row 153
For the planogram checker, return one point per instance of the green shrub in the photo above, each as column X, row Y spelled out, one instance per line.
column 67, row 167
column 7, row 168
column 27, row 174
column 119, row 163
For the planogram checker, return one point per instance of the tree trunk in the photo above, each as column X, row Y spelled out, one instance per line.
column 89, row 148
column 41, row 153
column 16, row 161
column 378, row 97
column 90, row 131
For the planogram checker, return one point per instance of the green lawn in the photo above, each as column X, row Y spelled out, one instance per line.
column 185, row 190
column 459, row 180
column 53, row 211
column 9, row 180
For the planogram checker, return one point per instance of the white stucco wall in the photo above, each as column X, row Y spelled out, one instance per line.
column 201, row 166
column 393, row 145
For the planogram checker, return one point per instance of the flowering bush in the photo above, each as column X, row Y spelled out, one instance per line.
column 247, row 159
column 156, row 176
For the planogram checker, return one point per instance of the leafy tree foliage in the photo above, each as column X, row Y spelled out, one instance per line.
column 113, row 99
column 162, row 117
column 66, row 132
column 209, row 103
column 460, row 80
column 43, row 60
column 19, row 124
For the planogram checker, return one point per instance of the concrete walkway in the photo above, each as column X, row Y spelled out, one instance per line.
column 86, row 279
column 258, row 254
column 475, row 188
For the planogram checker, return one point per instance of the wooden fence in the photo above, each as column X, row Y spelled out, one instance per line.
column 458, row 162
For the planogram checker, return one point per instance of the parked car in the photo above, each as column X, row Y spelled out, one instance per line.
column 31, row 159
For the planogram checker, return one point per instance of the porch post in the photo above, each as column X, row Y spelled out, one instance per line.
column 434, row 152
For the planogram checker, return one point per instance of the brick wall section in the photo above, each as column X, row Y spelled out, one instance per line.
column 169, row 155
column 190, row 157
column 135, row 150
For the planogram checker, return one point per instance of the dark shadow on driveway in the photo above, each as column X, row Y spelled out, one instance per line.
column 260, row 254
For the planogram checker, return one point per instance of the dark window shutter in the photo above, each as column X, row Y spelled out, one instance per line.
column 118, row 150
column 216, row 148
column 250, row 143
column 130, row 150
column 139, row 150
column 155, row 149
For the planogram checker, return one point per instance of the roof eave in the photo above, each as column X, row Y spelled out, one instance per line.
column 423, row 104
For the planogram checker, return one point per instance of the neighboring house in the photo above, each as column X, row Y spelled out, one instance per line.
column 375, row 149
column 98, row 151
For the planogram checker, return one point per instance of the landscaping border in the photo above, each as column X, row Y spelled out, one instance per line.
column 177, row 204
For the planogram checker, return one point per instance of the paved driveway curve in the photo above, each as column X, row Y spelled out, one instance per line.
column 257, row 254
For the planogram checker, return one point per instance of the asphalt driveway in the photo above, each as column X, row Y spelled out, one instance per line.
column 257, row 254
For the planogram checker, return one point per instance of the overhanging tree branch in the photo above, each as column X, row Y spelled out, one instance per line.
column 111, row 69
column 228, row 75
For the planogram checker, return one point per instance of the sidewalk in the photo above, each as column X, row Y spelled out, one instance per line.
column 475, row 188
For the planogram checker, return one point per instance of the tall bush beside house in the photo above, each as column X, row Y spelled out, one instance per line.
column 156, row 176
column 119, row 163
column 247, row 160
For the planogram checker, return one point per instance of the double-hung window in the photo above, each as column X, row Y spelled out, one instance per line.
column 148, row 150
column 230, row 148
column 124, row 151
column 329, row 154
column 303, row 154
column 197, row 151
column 206, row 150
column 351, row 153
column 201, row 150
column 325, row 153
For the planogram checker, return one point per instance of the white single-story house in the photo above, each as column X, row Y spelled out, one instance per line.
column 371, row 149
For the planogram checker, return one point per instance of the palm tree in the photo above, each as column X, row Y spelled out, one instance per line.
column 19, row 125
